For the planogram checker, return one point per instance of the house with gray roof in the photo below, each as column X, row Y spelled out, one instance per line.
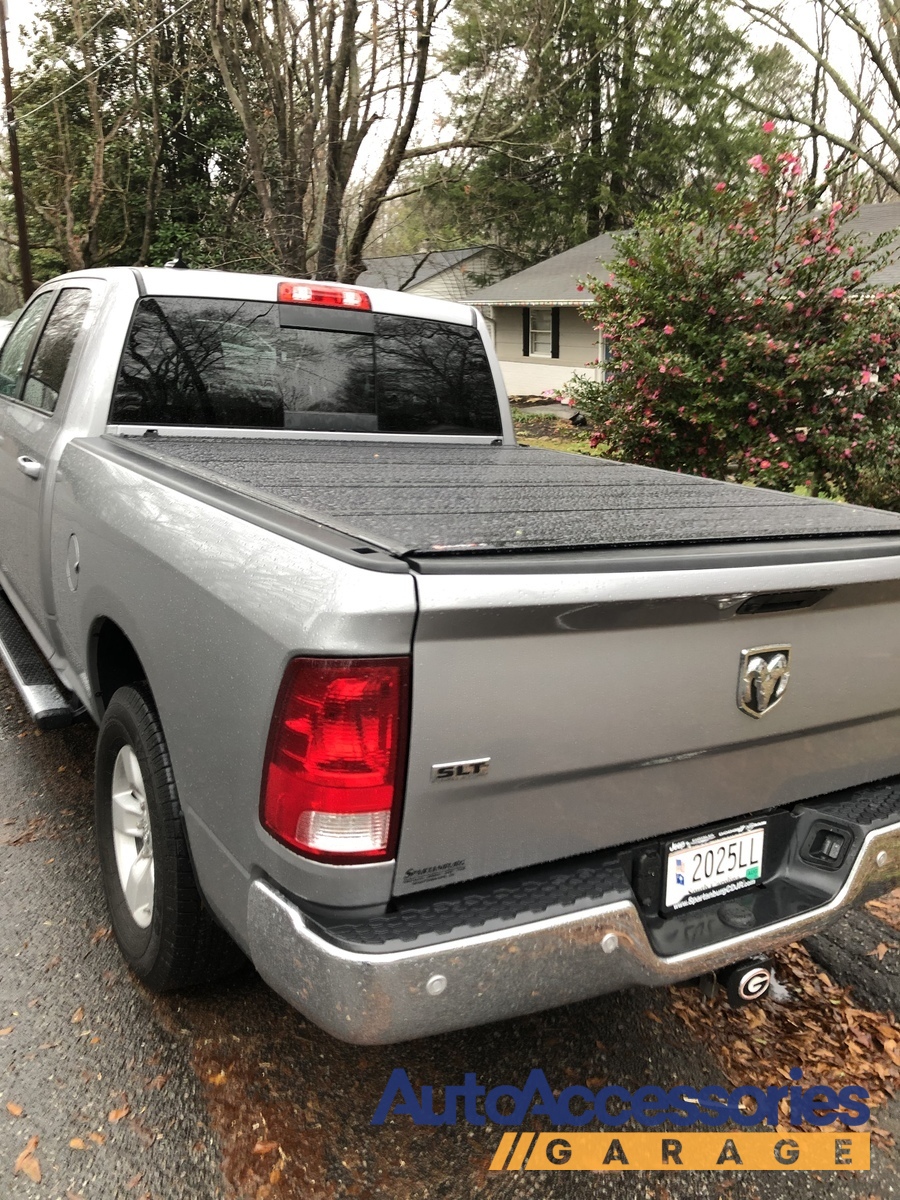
column 539, row 334
column 442, row 274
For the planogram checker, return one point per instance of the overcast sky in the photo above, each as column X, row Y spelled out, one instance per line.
column 20, row 13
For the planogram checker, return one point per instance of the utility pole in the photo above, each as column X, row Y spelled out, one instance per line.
column 15, row 165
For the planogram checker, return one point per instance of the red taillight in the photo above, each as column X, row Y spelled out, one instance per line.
column 333, row 777
column 326, row 294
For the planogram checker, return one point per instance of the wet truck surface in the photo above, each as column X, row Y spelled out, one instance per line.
column 434, row 728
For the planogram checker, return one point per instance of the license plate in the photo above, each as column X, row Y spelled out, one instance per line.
column 714, row 864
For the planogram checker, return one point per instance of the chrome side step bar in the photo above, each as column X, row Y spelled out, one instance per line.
column 49, row 703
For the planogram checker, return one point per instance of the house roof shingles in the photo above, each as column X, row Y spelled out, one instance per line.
column 401, row 271
column 555, row 281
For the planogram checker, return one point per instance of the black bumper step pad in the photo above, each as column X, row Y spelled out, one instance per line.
column 48, row 702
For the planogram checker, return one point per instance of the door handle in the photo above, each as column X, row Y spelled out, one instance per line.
column 29, row 467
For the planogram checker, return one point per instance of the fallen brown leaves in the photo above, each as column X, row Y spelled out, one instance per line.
column 30, row 833
column 118, row 1113
column 820, row 1030
column 881, row 950
column 887, row 908
column 14, row 1110
column 27, row 1161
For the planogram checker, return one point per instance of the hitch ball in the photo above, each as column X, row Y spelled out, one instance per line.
column 747, row 981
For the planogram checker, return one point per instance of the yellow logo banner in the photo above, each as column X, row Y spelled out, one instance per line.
column 687, row 1152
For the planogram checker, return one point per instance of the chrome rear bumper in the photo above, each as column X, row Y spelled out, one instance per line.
column 376, row 998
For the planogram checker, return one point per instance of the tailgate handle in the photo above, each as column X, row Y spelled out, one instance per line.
column 782, row 601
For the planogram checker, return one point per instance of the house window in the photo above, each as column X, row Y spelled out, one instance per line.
column 541, row 332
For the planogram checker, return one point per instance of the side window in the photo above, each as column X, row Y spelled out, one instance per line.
column 15, row 351
column 54, row 349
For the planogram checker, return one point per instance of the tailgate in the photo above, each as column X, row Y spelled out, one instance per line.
column 608, row 705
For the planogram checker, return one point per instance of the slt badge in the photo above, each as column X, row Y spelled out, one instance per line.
column 763, row 678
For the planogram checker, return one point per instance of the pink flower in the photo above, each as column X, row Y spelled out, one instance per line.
column 784, row 465
column 838, row 293
column 756, row 162
column 801, row 436
column 856, row 275
column 579, row 287
column 809, row 259
column 764, row 465
column 668, row 329
column 790, row 306
column 773, row 437
column 768, row 126
column 720, row 187
column 866, row 377
column 858, row 417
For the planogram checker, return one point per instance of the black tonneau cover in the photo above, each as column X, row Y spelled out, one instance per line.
column 414, row 499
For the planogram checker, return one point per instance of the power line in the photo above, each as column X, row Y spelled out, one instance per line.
column 79, row 41
column 136, row 42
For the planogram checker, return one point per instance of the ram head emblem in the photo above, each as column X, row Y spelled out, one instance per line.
column 763, row 678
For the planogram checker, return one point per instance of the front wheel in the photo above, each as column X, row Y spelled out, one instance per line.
column 166, row 933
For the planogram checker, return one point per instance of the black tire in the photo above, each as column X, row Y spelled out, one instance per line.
column 182, row 945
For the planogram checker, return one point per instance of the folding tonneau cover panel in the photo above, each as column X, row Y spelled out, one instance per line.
column 414, row 499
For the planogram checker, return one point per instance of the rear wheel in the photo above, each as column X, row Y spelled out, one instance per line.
column 165, row 931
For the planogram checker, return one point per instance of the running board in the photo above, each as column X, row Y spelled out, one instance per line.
column 48, row 702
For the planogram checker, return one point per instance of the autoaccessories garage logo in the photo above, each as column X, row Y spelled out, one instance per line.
column 649, row 1107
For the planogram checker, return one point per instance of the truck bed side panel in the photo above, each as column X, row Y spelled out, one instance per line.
column 215, row 606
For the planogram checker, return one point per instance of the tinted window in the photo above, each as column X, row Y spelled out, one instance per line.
column 54, row 349
column 15, row 350
column 230, row 363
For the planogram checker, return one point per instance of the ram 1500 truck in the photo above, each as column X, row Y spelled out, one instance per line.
column 434, row 729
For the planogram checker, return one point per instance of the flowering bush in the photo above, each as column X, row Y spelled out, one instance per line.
column 746, row 342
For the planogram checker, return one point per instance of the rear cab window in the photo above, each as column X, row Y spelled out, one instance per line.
column 246, row 364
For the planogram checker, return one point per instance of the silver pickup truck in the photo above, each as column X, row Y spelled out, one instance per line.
column 433, row 728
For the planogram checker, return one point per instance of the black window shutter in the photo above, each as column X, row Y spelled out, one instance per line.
column 526, row 332
column 554, row 333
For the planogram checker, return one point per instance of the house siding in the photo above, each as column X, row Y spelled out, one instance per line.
column 577, row 339
column 529, row 375
column 455, row 282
